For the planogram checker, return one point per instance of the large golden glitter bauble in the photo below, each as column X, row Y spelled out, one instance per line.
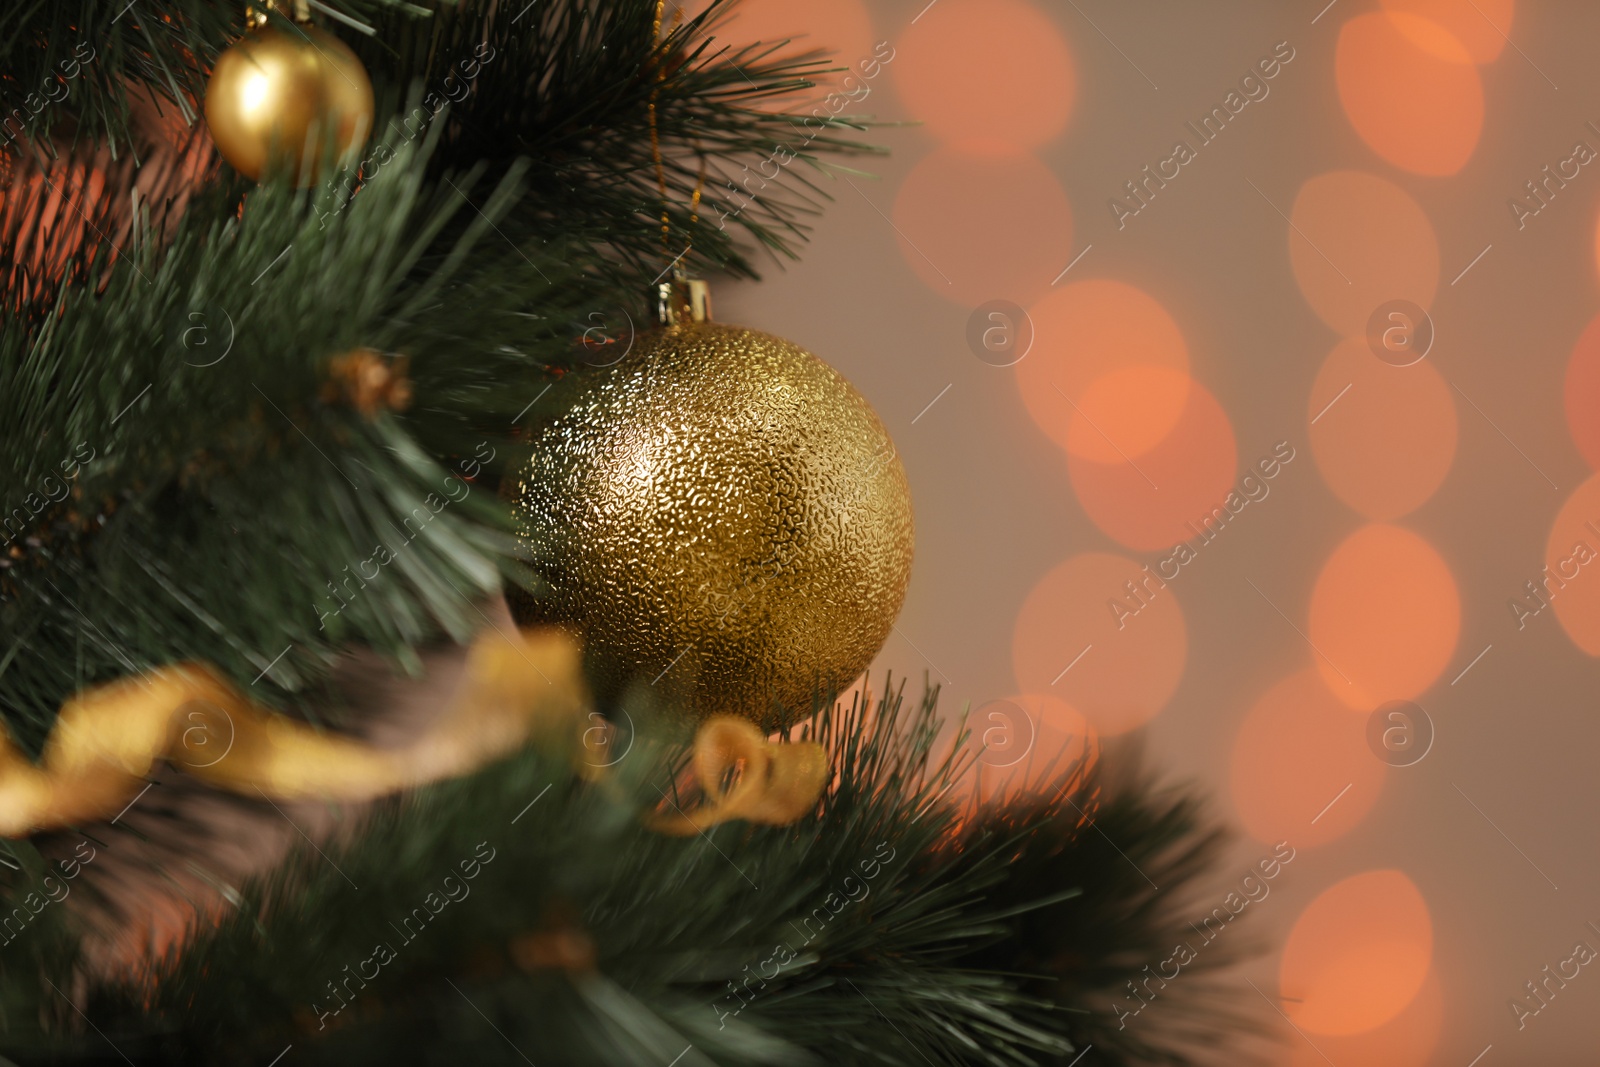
column 288, row 96
column 721, row 517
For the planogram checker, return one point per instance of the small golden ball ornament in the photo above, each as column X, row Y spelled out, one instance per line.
column 287, row 93
column 720, row 516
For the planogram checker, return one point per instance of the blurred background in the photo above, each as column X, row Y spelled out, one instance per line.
column 1244, row 361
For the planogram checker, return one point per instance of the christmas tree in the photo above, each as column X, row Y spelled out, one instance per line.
column 299, row 303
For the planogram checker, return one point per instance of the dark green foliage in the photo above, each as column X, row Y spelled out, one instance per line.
column 883, row 930
column 216, row 496
column 223, row 508
column 568, row 88
column 564, row 85
column 1136, row 865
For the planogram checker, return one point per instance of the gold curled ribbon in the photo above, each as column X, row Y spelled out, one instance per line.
column 774, row 784
column 107, row 740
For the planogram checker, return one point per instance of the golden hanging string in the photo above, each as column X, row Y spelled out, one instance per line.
column 699, row 189
column 655, row 145
column 655, row 138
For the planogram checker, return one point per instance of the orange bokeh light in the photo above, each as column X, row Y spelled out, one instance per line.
column 1358, row 241
column 1118, row 671
column 1165, row 495
column 1107, row 378
column 51, row 194
column 841, row 28
column 1126, row 413
column 1385, row 615
column 1358, row 954
column 1407, row 1040
column 986, row 74
column 1582, row 393
column 1296, row 753
column 1570, row 581
column 1411, row 91
column 1385, row 445
column 979, row 229
column 1481, row 26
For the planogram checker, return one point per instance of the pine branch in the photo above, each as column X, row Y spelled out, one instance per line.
column 1136, row 867
column 860, row 935
column 168, row 501
column 570, row 88
column 567, row 85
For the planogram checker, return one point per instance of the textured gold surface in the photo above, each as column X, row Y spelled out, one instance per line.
column 720, row 512
column 287, row 92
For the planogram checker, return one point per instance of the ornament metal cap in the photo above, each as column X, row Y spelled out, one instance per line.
column 298, row 11
column 682, row 300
